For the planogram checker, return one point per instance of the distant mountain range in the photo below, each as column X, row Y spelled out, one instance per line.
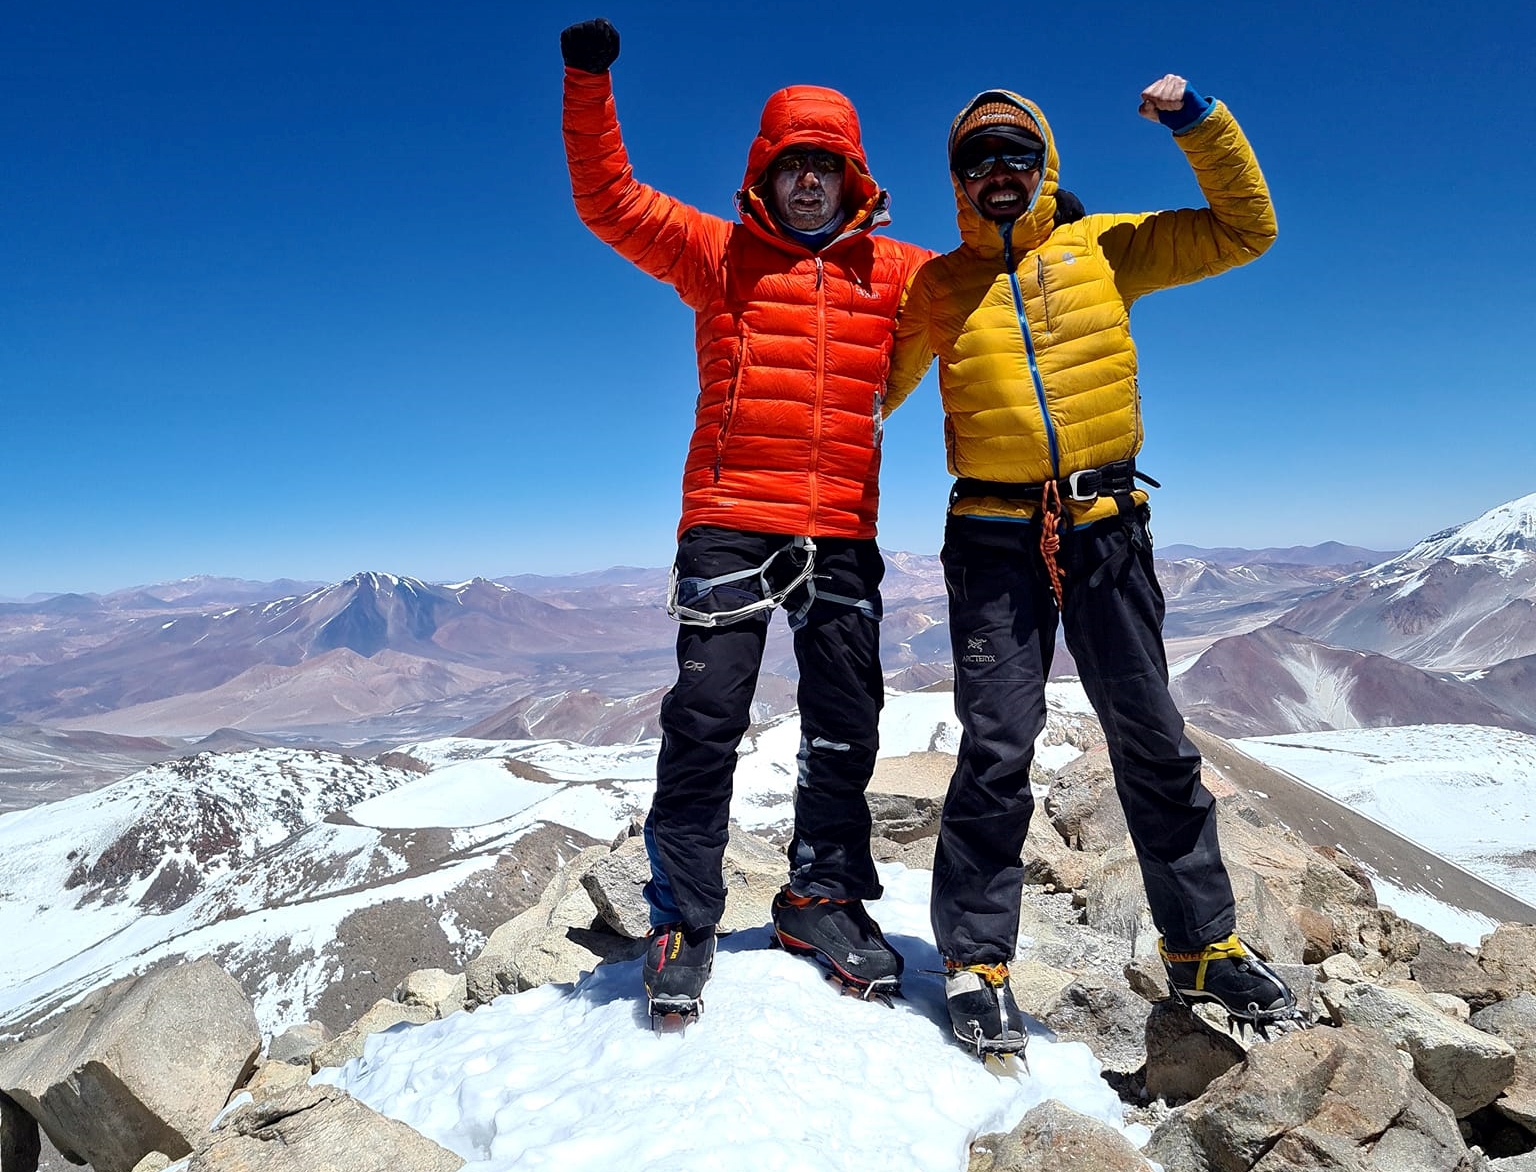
column 1329, row 553
column 1443, row 633
column 1268, row 642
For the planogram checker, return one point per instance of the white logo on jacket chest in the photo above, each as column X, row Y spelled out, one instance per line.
column 1068, row 259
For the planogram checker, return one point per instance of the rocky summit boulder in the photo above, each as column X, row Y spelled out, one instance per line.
column 753, row 870
column 1514, row 1021
column 19, row 1142
column 1508, row 956
column 1461, row 1066
column 554, row 941
column 1321, row 1099
column 143, row 1065
column 1054, row 1138
column 1185, row 1053
column 318, row 1129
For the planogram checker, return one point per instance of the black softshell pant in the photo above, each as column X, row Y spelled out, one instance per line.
column 1003, row 628
column 708, row 710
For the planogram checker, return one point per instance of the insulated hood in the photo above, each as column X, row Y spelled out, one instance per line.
column 814, row 116
column 1030, row 229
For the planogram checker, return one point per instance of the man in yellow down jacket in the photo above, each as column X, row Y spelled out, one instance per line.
column 1030, row 322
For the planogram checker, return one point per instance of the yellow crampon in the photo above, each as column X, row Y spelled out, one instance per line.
column 995, row 975
column 1229, row 949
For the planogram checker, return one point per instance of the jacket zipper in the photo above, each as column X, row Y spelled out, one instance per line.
column 1029, row 349
column 821, row 360
column 730, row 403
column 1045, row 302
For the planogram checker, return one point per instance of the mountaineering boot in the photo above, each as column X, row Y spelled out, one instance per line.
column 982, row 1009
column 838, row 933
column 1235, row 977
column 677, row 963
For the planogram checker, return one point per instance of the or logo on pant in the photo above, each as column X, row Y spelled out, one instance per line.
column 974, row 644
column 693, row 665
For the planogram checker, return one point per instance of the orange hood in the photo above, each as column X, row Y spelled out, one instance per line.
column 810, row 115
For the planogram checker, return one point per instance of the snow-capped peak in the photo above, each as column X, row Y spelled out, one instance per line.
column 1510, row 527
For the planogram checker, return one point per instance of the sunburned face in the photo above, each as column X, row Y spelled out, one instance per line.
column 999, row 176
column 806, row 187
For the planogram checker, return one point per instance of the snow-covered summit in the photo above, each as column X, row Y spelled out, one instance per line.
column 1510, row 527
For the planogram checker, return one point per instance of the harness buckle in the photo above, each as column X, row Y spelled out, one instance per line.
column 1084, row 485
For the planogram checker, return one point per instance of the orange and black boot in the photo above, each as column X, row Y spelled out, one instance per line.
column 1229, row 973
column 982, row 1010
column 839, row 934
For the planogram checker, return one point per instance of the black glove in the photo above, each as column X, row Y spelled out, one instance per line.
column 591, row 46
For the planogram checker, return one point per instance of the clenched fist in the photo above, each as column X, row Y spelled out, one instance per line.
column 591, row 46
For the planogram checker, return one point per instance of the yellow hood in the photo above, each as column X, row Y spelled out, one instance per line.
column 1030, row 229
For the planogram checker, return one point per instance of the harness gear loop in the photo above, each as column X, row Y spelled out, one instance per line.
column 769, row 596
column 1051, row 510
column 864, row 606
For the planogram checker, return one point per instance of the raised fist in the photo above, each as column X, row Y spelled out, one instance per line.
column 1164, row 94
column 591, row 46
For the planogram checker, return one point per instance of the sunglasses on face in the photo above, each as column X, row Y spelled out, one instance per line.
column 1023, row 161
column 798, row 162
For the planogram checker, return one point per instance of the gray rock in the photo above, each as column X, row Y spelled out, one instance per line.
column 297, row 1043
column 1461, row 1066
column 1315, row 1099
column 615, row 883
column 436, row 989
column 1508, row 956
column 1449, row 968
column 384, row 1015
column 564, row 906
column 901, row 817
column 1054, row 1138
column 319, row 1129
column 20, row 1143
column 1185, row 1054
column 1514, row 1021
column 1082, row 806
column 753, row 871
column 1102, row 1012
column 140, row 1066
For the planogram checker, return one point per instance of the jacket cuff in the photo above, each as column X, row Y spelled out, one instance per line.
column 1190, row 115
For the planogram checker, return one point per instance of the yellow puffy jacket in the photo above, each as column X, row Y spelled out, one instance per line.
column 1037, row 369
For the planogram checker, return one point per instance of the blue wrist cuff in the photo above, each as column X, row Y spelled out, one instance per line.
column 1191, row 114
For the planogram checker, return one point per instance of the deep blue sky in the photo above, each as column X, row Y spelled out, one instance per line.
column 297, row 289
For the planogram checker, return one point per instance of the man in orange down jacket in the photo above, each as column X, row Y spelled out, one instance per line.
column 795, row 310
column 1030, row 321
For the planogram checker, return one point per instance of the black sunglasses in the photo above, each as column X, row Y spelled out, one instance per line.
column 796, row 162
column 1023, row 161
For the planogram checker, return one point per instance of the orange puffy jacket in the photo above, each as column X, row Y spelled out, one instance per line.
column 793, row 347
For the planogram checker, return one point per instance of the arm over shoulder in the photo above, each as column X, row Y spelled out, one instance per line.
column 665, row 237
column 913, row 354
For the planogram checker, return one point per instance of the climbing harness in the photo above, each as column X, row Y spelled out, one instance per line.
column 1113, row 480
column 756, row 590
column 767, row 594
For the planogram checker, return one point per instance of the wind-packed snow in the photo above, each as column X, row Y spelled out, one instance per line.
column 477, row 782
column 315, row 874
column 1451, row 923
column 1466, row 792
column 781, row 1072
